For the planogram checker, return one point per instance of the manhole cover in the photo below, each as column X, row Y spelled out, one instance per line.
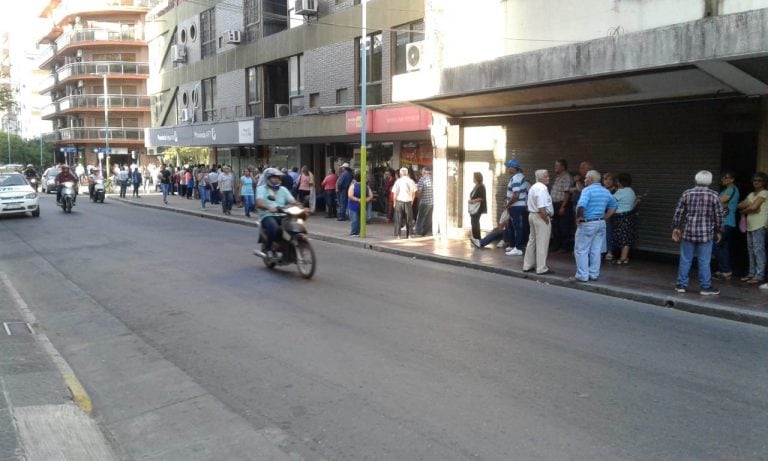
column 17, row 328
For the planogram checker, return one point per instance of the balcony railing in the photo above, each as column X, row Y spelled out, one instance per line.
column 49, row 110
column 48, row 53
column 72, row 7
column 47, row 82
column 103, row 67
column 96, row 35
column 98, row 133
column 96, row 101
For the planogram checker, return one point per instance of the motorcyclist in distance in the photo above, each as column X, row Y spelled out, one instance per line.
column 63, row 177
column 30, row 172
column 92, row 178
column 270, row 196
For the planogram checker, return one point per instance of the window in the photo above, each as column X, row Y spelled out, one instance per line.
column 252, row 92
column 409, row 33
column 341, row 96
column 193, row 32
column 209, row 98
column 251, row 20
column 207, row 33
column 373, row 69
column 296, row 83
column 314, row 100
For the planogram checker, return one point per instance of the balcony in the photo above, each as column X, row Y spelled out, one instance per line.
column 48, row 111
column 46, row 55
column 96, row 101
column 69, row 8
column 95, row 134
column 46, row 83
column 99, row 68
column 78, row 37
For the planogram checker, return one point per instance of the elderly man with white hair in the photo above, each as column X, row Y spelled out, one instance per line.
column 540, row 212
column 700, row 213
column 403, row 192
column 596, row 205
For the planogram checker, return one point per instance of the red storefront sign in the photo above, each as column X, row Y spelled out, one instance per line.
column 391, row 120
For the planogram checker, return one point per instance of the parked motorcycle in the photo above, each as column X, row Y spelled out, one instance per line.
column 67, row 196
column 293, row 244
column 99, row 191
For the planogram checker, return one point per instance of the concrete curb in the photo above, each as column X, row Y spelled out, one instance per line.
column 677, row 302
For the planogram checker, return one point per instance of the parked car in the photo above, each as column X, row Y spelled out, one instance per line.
column 48, row 180
column 17, row 196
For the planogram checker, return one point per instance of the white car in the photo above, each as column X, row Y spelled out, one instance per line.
column 17, row 196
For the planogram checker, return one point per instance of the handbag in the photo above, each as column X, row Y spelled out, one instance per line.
column 474, row 208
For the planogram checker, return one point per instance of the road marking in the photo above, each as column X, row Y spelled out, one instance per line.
column 79, row 395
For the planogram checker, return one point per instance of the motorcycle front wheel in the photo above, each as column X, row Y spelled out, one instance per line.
column 67, row 205
column 305, row 259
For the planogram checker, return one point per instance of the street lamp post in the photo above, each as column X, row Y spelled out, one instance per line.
column 8, row 135
column 106, row 126
column 364, row 123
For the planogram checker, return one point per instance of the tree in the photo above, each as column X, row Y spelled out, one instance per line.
column 25, row 152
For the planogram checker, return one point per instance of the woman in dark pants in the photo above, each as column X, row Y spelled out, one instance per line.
column 477, row 196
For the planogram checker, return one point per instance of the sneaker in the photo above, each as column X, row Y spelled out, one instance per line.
column 709, row 291
column 501, row 244
column 608, row 257
column 764, row 286
column 680, row 289
column 513, row 252
column 475, row 242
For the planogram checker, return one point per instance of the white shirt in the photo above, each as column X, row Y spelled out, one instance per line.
column 538, row 197
column 404, row 189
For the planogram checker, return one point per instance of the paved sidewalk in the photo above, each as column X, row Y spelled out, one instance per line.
column 645, row 281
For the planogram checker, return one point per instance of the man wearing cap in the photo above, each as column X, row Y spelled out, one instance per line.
column 426, row 203
column 342, row 188
column 596, row 205
column 517, row 196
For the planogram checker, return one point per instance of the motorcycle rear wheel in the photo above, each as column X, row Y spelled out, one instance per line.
column 305, row 259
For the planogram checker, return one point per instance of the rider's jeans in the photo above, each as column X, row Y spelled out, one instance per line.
column 271, row 225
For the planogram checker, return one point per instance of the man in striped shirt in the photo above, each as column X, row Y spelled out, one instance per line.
column 517, row 197
column 697, row 224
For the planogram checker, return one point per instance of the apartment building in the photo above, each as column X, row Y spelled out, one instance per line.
column 277, row 82
column 97, row 60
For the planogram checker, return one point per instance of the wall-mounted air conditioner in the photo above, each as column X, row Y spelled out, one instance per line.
column 306, row 7
column 79, row 53
column 282, row 110
column 80, row 83
column 179, row 53
column 186, row 115
column 413, row 58
column 232, row 36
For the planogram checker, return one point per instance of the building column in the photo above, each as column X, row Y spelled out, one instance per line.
column 762, row 138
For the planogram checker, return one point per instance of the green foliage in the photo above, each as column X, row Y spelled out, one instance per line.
column 186, row 155
column 25, row 152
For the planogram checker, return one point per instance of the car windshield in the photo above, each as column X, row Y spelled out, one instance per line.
column 12, row 180
column 53, row 173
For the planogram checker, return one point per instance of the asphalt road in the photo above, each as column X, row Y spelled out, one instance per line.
column 187, row 344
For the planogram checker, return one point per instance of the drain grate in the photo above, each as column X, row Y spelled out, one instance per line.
column 18, row 328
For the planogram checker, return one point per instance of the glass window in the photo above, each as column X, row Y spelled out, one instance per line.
column 252, row 91
column 341, row 96
column 409, row 33
column 296, row 71
column 209, row 97
column 251, row 20
column 373, row 69
column 207, row 33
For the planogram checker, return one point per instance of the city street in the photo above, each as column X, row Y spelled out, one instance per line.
column 190, row 348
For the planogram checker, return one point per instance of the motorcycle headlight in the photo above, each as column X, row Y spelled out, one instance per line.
column 30, row 196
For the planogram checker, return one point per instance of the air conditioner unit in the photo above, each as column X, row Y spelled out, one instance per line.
column 185, row 115
column 306, row 7
column 80, row 83
column 413, row 57
column 232, row 36
column 179, row 53
column 79, row 53
column 282, row 110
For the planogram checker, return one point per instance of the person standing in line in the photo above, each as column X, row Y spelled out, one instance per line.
column 624, row 221
column 123, row 177
column 403, row 192
column 562, row 221
column 517, row 196
column 226, row 188
column 213, row 180
column 305, row 185
column 595, row 206
column 165, row 181
column 729, row 198
column 354, row 195
column 426, row 203
column 342, row 185
column 147, row 178
column 755, row 207
column 389, row 181
column 477, row 196
column 246, row 192
column 700, row 213
column 540, row 212
column 329, row 192
column 190, row 180
column 136, row 180
column 203, row 186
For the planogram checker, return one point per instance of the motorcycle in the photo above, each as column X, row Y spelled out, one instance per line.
column 99, row 191
column 67, row 196
column 34, row 183
column 293, row 244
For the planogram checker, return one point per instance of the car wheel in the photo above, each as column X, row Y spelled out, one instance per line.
column 36, row 213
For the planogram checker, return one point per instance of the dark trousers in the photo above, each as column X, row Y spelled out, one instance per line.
column 136, row 189
column 723, row 250
column 424, row 219
column 475, row 220
column 271, row 225
column 562, row 228
column 403, row 210
column 123, row 187
column 342, row 216
column 517, row 230
column 330, row 203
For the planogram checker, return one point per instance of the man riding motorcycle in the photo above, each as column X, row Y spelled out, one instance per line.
column 269, row 197
column 30, row 172
column 63, row 177
column 92, row 178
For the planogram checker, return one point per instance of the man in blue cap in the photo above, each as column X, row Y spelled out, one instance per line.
column 517, row 196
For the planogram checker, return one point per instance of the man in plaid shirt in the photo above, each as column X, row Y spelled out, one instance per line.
column 700, row 212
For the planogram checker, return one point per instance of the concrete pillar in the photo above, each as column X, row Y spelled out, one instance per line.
column 762, row 138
